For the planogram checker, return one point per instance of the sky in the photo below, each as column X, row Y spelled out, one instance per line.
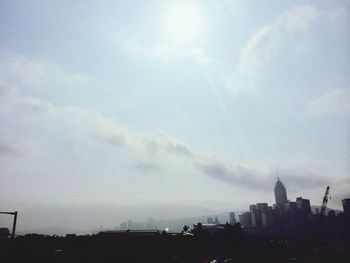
column 117, row 110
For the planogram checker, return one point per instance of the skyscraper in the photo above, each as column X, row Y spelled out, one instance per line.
column 280, row 193
column 304, row 205
column 245, row 219
column 232, row 218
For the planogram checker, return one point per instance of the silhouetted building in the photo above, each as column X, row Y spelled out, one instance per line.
column 290, row 217
column 210, row 220
column 280, row 193
column 346, row 205
column 232, row 218
column 133, row 225
column 303, row 205
column 256, row 212
column 210, row 229
column 293, row 218
column 123, row 226
column 262, row 207
column 4, row 233
column 216, row 221
column 303, row 215
column 331, row 214
column 290, row 206
column 245, row 219
column 254, row 215
column 261, row 210
column 123, row 233
column 151, row 224
column 267, row 217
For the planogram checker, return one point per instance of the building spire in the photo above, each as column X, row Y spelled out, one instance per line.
column 280, row 192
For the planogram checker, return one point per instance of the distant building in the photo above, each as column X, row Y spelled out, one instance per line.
column 346, row 205
column 133, row 225
column 267, row 217
column 123, row 226
column 210, row 220
column 280, row 193
column 216, row 221
column 331, row 213
column 303, row 205
column 290, row 206
column 261, row 210
column 4, row 233
column 137, row 233
column 262, row 207
column 232, row 218
column 245, row 219
column 292, row 218
column 253, row 215
column 256, row 213
column 207, row 228
column 151, row 223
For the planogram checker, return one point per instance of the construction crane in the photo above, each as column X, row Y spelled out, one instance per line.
column 14, row 221
column 324, row 202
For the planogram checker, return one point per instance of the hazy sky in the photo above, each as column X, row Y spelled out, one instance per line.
column 170, row 108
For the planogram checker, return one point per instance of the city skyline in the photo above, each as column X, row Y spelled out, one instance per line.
column 170, row 108
column 175, row 224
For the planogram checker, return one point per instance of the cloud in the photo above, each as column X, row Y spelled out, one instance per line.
column 334, row 101
column 264, row 44
column 23, row 71
column 166, row 53
column 254, row 56
column 92, row 125
column 299, row 19
column 340, row 16
column 154, row 150
column 8, row 147
column 199, row 55
column 294, row 176
column 161, row 143
column 146, row 167
column 15, row 149
column 232, row 174
column 147, row 150
column 11, row 100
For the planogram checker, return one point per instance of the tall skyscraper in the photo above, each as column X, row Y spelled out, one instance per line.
column 280, row 193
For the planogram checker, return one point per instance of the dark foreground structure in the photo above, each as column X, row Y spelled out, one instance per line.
column 230, row 245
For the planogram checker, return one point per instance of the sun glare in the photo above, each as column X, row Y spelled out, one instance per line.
column 183, row 22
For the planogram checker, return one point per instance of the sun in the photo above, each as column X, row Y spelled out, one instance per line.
column 183, row 22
